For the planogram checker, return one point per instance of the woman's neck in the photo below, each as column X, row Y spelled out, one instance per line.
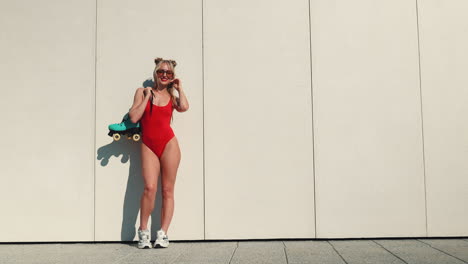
column 159, row 88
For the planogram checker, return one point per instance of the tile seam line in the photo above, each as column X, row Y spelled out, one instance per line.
column 285, row 252
column 441, row 251
column 234, row 252
column 336, row 251
column 389, row 251
column 422, row 119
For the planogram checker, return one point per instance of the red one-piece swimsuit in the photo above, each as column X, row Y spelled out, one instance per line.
column 155, row 126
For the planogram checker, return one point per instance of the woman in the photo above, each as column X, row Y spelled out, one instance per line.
column 153, row 108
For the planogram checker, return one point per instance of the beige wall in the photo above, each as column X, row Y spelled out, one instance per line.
column 443, row 29
column 47, row 105
column 129, row 38
column 308, row 119
column 367, row 119
column 258, row 132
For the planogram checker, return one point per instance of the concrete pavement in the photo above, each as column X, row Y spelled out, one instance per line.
column 437, row 251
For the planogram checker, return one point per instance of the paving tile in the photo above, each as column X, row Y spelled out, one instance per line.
column 156, row 255
column 455, row 247
column 28, row 253
column 413, row 251
column 63, row 253
column 206, row 253
column 256, row 252
column 363, row 251
column 311, row 252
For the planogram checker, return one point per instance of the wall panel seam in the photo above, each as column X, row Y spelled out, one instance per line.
column 203, row 121
column 312, row 122
column 95, row 116
column 422, row 121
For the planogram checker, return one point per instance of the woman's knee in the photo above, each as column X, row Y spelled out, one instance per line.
column 168, row 193
column 150, row 188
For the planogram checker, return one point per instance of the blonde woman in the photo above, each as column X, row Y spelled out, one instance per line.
column 160, row 152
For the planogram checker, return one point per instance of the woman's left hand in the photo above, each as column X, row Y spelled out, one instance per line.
column 176, row 84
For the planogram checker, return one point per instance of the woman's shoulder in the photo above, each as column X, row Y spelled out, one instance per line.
column 139, row 90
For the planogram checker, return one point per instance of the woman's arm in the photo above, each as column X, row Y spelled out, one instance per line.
column 139, row 103
column 182, row 102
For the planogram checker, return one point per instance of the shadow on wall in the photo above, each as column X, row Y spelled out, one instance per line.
column 130, row 152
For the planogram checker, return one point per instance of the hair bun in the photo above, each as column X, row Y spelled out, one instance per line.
column 157, row 60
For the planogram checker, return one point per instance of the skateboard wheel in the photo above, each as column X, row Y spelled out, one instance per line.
column 136, row 137
column 116, row 137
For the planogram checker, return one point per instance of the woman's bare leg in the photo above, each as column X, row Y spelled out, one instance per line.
column 150, row 168
column 170, row 160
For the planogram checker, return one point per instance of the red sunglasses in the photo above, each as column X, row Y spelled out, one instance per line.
column 169, row 73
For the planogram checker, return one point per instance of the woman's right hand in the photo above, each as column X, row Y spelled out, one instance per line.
column 147, row 91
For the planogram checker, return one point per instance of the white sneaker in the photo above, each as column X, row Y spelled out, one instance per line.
column 162, row 241
column 144, row 238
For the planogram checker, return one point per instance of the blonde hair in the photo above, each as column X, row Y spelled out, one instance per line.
column 171, row 64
